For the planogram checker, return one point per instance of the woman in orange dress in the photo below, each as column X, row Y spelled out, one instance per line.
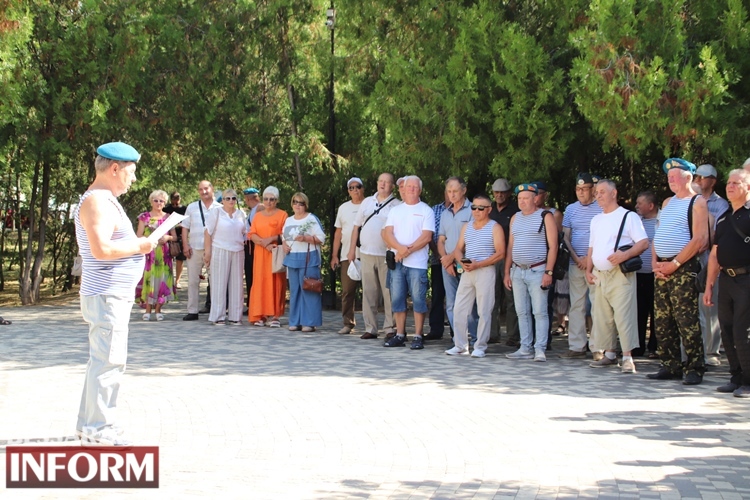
column 268, row 293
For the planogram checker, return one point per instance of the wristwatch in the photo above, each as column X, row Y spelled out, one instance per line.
column 676, row 262
column 548, row 272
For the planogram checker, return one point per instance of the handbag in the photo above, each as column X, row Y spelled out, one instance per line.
column 277, row 259
column 633, row 263
column 311, row 284
column 175, row 248
column 77, row 269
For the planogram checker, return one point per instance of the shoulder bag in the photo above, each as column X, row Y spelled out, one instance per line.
column 702, row 275
column 563, row 254
column 633, row 263
column 376, row 212
column 277, row 259
column 311, row 284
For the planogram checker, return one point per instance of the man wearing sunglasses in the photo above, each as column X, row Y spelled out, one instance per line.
column 342, row 240
column 480, row 245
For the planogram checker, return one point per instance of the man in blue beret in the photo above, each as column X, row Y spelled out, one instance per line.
column 113, row 260
column 680, row 237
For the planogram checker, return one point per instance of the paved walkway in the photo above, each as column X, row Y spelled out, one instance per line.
column 243, row 412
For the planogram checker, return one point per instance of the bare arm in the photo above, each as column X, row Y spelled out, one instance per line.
column 550, row 228
column 336, row 248
column 711, row 274
column 98, row 218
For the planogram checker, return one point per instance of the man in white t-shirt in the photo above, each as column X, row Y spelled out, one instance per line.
column 615, row 308
column 342, row 240
column 368, row 225
column 408, row 232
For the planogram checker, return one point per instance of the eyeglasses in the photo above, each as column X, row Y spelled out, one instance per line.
column 481, row 208
column 232, row 198
column 158, row 201
column 352, row 188
column 298, row 202
column 269, row 199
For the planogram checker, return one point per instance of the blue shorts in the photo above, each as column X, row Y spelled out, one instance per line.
column 405, row 281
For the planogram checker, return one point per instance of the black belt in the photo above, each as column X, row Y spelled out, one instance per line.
column 735, row 271
column 665, row 259
column 529, row 266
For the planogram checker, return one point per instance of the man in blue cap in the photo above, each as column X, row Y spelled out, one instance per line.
column 252, row 201
column 113, row 260
column 681, row 235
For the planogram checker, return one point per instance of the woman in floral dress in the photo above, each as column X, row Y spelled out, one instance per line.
column 156, row 288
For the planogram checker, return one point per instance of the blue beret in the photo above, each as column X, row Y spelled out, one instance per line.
column 540, row 185
column 585, row 178
column 118, row 151
column 250, row 191
column 671, row 163
column 596, row 178
column 526, row 187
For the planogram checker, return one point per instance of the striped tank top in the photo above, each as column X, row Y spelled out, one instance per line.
column 480, row 244
column 672, row 233
column 108, row 277
column 529, row 244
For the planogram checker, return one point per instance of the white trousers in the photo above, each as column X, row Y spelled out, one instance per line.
column 194, row 266
column 227, row 270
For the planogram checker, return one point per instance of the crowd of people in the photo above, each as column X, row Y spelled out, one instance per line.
column 683, row 270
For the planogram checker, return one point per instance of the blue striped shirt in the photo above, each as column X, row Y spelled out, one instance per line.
column 116, row 277
column 529, row 244
column 650, row 226
column 577, row 218
column 672, row 233
column 480, row 244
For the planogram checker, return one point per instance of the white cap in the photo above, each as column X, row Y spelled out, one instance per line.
column 501, row 185
column 400, row 181
column 354, row 179
column 706, row 170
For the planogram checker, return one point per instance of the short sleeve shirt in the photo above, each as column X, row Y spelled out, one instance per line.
column 408, row 222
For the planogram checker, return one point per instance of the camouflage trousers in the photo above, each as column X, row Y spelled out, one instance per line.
column 676, row 318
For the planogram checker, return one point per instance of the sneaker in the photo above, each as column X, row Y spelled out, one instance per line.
column 627, row 366
column 416, row 343
column 395, row 341
column 540, row 357
column 478, row 353
column 598, row 355
column 107, row 437
column 346, row 330
column 119, row 431
column 713, row 361
column 570, row 354
column 604, row 361
column 522, row 353
column 159, row 317
column 147, row 317
column 742, row 391
column 455, row 351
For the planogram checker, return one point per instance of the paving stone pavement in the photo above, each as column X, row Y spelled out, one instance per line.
column 248, row 412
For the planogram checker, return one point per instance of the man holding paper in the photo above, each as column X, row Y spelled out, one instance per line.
column 112, row 265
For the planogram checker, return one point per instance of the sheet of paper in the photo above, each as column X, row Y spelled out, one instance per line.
column 173, row 219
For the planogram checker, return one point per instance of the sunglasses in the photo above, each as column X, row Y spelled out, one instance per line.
column 298, row 202
column 269, row 199
column 352, row 188
column 232, row 198
column 481, row 208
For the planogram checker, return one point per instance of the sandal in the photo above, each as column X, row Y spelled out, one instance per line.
column 5, row 321
column 159, row 317
column 147, row 317
column 275, row 324
column 560, row 330
column 260, row 322
column 221, row 322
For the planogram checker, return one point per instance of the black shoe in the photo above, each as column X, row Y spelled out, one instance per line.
column 692, row 378
column 664, row 374
column 729, row 387
column 205, row 310
column 368, row 335
column 190, row 317
column 416, row 343
column 433, row 336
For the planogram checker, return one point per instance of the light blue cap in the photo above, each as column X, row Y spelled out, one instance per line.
column 118, row 151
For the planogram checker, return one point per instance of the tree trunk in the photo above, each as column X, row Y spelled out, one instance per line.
column 30, row 279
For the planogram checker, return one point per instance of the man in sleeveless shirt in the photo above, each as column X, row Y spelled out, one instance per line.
column 676, row 246
column 112, row 265
column 480, row 245
column 532, row 250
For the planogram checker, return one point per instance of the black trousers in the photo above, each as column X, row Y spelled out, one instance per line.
column 734, row 318
column 645, row 300
column 249, row 249
column 437, row 308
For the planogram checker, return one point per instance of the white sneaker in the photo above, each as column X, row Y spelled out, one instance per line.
column 713, row 361
column 478, row 353
column 455, row 351
column 522, row 353
column 540, row 356
column 107, row 437
column 627, row 366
